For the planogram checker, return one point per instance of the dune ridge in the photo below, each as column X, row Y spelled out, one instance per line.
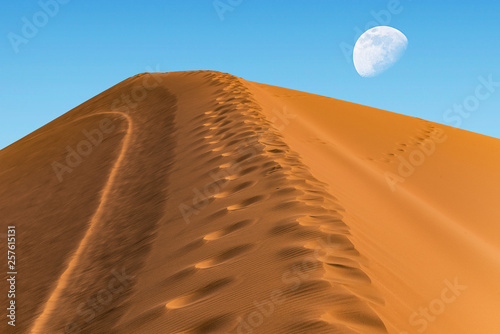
column 218, row 205
column 246, row 159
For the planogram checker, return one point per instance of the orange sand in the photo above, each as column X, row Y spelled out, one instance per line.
column 198, row 202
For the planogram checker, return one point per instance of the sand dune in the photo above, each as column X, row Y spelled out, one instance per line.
column 198, row 202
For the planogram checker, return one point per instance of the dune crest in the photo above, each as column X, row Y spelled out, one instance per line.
column 218, row 205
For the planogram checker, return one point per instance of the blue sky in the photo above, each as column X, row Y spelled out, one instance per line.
column 85, row 47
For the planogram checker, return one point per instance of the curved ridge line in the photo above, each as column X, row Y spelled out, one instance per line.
column 52, row 302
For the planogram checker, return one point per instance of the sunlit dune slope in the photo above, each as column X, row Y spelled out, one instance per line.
column 198, row 202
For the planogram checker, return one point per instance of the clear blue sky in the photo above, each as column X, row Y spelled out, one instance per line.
column 88, row 46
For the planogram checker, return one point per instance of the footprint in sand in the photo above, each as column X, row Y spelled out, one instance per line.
column 345, row 274
column 229, row 229
column 247, row 203
column 199, row 294
column 224, row 257
column 215, row 324
column 235, row 189
column 190, row 246
column 179, row 276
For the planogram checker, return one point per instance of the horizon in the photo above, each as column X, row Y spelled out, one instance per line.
column 59, row 54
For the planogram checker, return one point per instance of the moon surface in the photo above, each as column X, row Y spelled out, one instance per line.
column 378, row 49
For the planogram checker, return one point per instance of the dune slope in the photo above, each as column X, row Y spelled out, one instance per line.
column 198, row 202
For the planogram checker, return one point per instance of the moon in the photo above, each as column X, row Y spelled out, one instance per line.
column 378, row 49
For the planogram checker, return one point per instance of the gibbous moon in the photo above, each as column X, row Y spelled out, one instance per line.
column 378, row 49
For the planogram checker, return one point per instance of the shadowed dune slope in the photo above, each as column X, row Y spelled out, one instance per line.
column 198, row 202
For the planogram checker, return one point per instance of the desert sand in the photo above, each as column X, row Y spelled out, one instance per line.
column 199, row 202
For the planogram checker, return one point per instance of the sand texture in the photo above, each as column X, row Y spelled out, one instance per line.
column 199, row 202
